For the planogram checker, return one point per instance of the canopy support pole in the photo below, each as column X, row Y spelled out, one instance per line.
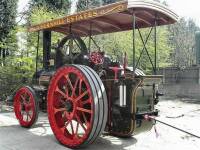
column 90, row 36
column 46, row 48
column 37, row 52
column 134, row 27
column 155, row 44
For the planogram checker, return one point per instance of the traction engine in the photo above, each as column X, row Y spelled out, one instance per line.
column 87, row 93
column 84, row 91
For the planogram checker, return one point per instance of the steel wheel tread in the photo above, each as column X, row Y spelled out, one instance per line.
column 101, row 88
column 102, row 100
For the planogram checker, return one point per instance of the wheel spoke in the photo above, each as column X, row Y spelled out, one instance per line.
column 56, row 110
column 62, row 101
column 67, row 93
column 22, row 114
column 65, row 126
column 61, row 92
column 72, row 128
column 79, row 121
column 75, row 86
column 27, row 116
column 84, row 110
column 29, row 105
column 84, row 117
column 82, row 95
column 86, row 101
column 69, row 82
column 66, row 114
column 76, row 132
column 67, row 123
column 23, row 99
column 80, row 86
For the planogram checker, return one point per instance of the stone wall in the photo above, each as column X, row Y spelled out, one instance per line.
column 181, row 83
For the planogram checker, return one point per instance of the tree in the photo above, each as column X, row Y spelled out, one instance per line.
column 52, row 4
column 182, row 42
column 8, row 11
column 41, row 11
column 109, row 1
column 86, row 4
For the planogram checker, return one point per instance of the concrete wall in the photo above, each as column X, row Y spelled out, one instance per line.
column 181, row 83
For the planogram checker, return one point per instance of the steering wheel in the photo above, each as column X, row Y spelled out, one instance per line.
column 69, row 50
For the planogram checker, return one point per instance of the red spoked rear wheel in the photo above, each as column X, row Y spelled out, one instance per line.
column 77, row 106
column 26, row 106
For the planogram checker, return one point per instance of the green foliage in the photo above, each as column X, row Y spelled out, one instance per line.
column 7, row 17
column 42, row 14
column 16, row 72
column 88, row 4
column 8, row 45
column 21, row 63
column 7, row 28
column 38, row 15
column 109, row 1
column 116, row 44
column 175, row 43
column 52, row 4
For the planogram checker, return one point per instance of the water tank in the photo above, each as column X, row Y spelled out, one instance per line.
column 197, row 47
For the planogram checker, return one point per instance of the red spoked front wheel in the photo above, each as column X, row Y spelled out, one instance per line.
column 26, row 106
column 77, row 106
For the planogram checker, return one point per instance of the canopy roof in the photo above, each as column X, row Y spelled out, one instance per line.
column 111, row 18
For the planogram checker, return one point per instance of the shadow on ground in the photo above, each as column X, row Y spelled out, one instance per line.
column 41, row 137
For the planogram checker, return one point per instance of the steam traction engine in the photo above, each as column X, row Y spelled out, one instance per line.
column 85, row 91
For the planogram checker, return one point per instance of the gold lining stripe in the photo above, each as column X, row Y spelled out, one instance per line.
column 133, row 106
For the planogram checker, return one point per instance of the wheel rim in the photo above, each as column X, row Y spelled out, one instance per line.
column 70, row 106
column 24, row 107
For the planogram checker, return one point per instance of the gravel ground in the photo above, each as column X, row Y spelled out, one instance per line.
column 183, row 113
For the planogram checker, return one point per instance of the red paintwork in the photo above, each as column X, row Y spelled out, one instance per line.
column 116, row 71
column 24, row 107
column 67, row 125
column 97, row 58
